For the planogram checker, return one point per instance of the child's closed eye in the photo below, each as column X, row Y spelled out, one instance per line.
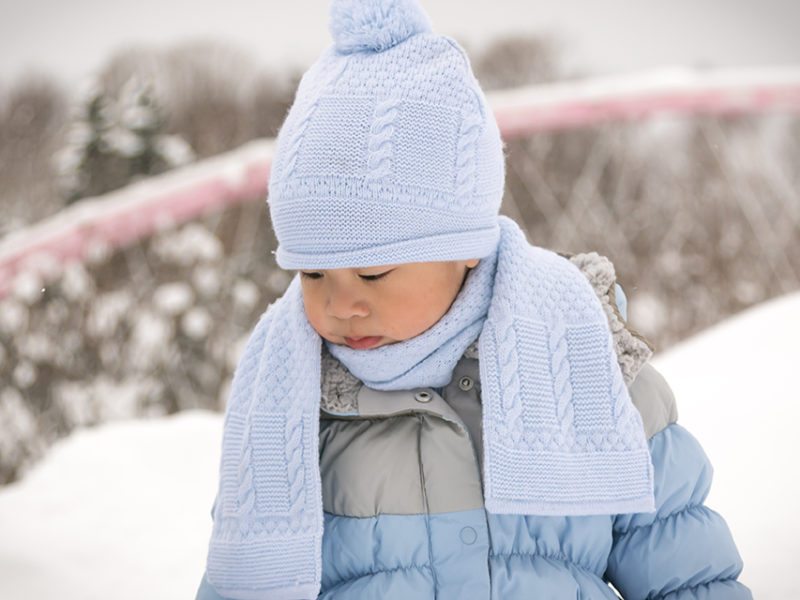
column 315, row 276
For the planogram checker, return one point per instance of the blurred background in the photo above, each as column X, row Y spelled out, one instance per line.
column 135, row 245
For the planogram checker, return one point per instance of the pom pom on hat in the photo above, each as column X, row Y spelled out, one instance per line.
column 375, row 25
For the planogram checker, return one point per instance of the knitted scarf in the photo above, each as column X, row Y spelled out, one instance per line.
column 561, row 435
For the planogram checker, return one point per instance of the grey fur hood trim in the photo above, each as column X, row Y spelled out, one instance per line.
column 340, row 387
column 632, row 348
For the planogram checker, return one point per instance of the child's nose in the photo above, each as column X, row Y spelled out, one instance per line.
column 344, row 305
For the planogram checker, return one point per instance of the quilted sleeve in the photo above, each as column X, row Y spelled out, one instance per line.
column 205, row 591
column 684, row 550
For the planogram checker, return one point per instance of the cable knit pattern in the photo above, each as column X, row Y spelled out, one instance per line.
column 380, row 142
column 465, row 165
column 561, row 434
column 510, row 405
column 559, row 365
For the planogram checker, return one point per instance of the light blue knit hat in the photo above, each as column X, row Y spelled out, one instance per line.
column 390, row 152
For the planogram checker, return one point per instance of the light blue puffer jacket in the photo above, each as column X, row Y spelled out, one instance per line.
column 404, row 517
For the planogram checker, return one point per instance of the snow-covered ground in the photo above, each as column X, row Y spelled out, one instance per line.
column 736, row 386
column 122, row 511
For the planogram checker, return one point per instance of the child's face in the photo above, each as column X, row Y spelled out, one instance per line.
column 406, row 301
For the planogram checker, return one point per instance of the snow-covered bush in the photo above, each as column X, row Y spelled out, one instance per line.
column 115, row 140
column 145, row 331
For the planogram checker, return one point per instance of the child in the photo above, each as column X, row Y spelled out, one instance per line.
column 496, row 432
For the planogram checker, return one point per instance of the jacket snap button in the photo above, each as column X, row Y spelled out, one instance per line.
column 468, row 535
column 465, row 383
column 423, row 397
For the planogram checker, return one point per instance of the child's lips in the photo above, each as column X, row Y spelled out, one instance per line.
column 362, row 342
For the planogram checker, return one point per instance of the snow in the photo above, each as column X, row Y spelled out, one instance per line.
column 13, row 316
column 173, row 298
column 120, row 511
column 84, row 403
column 736, row 389
column 174, row 149
column 20, row 425
column 191, row 243
column 76, row 283
column 123, row 510
column 197, row 323
column 28, row 287
column 245, row 294
column 150, row 340
column 124, row 142
column 107, row 312
column 207, row 280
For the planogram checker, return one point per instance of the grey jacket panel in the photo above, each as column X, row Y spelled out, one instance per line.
column 406, row 452
column 371, row 466
column 654, row 399
column 463, row 393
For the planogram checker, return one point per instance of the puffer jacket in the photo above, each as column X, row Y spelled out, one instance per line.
column 403, row 499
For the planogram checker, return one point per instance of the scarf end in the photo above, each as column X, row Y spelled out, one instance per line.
column 564, row 483
column 272, row 567
column 644, row 504
column 295, row 592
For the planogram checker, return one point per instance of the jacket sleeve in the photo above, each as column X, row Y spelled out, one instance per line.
column 684, row 550
column 205, row 591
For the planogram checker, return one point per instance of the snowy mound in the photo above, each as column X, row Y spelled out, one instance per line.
column 121, row 511
column 736, row 389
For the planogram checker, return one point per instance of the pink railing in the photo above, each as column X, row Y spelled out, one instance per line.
column 137, row 211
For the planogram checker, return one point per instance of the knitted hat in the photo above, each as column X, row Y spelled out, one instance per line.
column 390, row 153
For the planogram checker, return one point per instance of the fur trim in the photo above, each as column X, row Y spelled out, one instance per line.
column 632, row 348
column 375, row 25
column 339, row 386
